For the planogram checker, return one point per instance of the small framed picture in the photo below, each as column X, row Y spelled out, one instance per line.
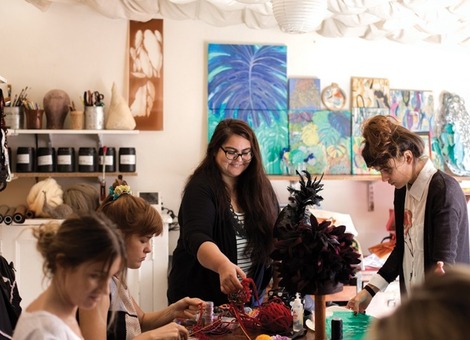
column 151, row 197
column 333, row 97
column 426, row 136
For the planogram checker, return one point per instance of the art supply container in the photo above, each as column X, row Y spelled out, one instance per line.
column 110, row 159
column 94, row 117
column 207, row 316
column 77, row 120
column 45, row 159
column 25, row 159
column 14, row 117
column 65, row 159
column 127, row 160
column 87, row 160
column 34, row 118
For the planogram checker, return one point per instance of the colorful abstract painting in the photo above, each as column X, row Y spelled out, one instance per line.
column 414, row 109
column 249, row 82
column 359, row 115
column 370, row 92
column 304, row 94
column 320, row 142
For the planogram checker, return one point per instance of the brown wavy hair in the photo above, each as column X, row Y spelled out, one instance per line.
column 385, row 138
column 253, row 189
column 132, row 214
column 78, row 240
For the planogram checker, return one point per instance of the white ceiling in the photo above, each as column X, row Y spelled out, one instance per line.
column 406, row 21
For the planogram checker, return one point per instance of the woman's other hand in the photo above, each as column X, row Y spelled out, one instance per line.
column 230, row 275
column 171, row 331
column 360, row 302
column 187, row 308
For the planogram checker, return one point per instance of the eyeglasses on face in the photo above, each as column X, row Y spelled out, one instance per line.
column 233, row 155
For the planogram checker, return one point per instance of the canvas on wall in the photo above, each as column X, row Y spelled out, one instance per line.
column 359, row 116
column 304, row 94
column 370, row 92
column 320, row 142
column 249, row 82
column 146, row 73
column 414, row 109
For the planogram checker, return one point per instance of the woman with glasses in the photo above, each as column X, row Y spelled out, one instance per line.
column 226, row 218
column 430, row 209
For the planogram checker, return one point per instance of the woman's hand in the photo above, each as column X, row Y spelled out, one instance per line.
column 230, row 275
column 360, row 302
column 187, row 308
column 171, row 331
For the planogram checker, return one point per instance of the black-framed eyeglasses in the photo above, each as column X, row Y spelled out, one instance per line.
column 233, row 155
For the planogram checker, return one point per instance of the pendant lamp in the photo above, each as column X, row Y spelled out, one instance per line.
column 299, row 16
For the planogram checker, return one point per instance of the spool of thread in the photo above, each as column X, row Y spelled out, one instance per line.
column 3, row 212
column 127, row 160
column 207, row 316
column 336, row 329
column 30, row 214
column 65, row 159
column 87, row 160
column 110, row 159
column 25, row 159
column 45, row 159
column 8, row 217
column 19, row 215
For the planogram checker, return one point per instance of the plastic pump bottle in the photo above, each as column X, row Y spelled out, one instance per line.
column 297, row 314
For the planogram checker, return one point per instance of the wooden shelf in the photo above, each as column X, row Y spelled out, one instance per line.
column 345, row 178
column 327, row 178
column 71, row 174
column 70, row 132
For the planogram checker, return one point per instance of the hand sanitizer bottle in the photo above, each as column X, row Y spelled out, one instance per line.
column 297, row 314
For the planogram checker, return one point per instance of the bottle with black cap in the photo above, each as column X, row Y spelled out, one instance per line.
column 336, row 329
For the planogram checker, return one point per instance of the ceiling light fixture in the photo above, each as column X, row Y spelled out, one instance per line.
column 299, row 16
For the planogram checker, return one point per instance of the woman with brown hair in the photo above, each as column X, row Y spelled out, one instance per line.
column 118, row 316
column 226, row 219
column 80, row 257
column 430, row 209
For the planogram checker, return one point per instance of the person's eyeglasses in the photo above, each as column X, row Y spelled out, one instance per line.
column 233, row 155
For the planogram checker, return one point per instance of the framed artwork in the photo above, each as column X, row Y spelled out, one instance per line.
column 320, row 142
column 414, row 109
column 333, row 97
column 146, row 73
column 426, row 136
column 249, row 82
column 370, row 92
column 304, row 94
column 359, row 115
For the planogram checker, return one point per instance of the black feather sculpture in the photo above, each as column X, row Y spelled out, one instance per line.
column 311, row 257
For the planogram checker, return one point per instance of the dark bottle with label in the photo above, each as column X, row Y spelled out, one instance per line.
column 127, row 160
column 109, row 159
column 87, row 160
column 45, row 159
column 25, row 159
column 65, row 159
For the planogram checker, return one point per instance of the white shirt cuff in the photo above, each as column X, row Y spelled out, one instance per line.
column 378, row 281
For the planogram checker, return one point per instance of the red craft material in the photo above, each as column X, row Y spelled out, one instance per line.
column 272, row 316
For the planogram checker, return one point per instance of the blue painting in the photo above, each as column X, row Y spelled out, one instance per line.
column 249, row 82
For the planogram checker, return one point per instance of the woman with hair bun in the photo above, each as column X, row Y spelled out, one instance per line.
column 80, row 257
column 430, row 209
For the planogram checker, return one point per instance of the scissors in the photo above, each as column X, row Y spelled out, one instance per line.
column 98, row 97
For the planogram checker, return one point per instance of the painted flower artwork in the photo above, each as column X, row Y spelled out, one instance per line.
column 249, row 82
column 320, row 142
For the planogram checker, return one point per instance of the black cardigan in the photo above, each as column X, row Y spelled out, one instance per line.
column 446, row 234
column 199, row 223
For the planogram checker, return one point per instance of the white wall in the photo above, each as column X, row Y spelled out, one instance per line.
column 74, row 49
